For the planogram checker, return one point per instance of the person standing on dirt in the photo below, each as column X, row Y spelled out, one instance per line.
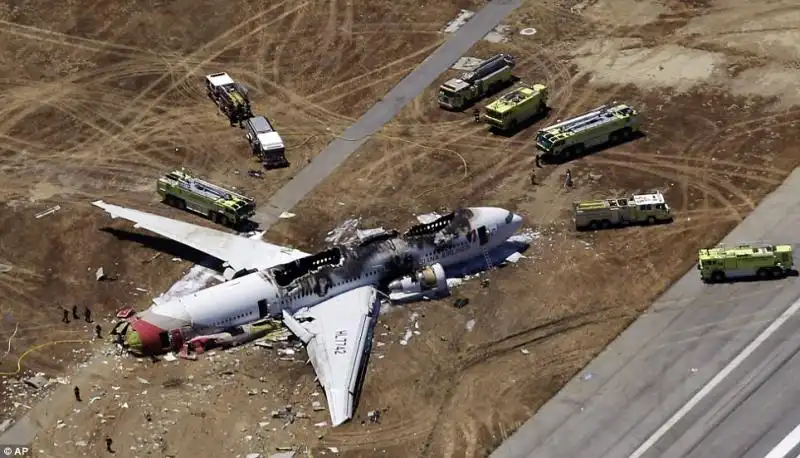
column 108, row 445
column 533, row 177
column 476, row 113
column 75, row 312
column 538, row 161
column 568, row 179
column 77, row 392
column 87, row 315
column 98, row 331
column 65, row 316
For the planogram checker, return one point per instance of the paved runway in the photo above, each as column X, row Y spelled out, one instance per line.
column 709, row 371
column 384, row 111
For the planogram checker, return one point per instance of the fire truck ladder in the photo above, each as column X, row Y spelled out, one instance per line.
column 598, row 116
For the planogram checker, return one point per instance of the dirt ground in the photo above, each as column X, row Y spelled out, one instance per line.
column 100, row 97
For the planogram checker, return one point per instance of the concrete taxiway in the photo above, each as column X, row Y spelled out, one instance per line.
column 384, row 111
column 708, row 371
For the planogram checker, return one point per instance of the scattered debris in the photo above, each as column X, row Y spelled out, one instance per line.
column 525, row 351
column 470, row 325
column 428, row 217
column 100, row 275
column 374, row 416
column 38, row 381
column 170, row 357
column 4, row 268
column 587, row 376
column 253, row 455
column 515, row 257
column 49, row 211
column 495, row 36
column 5, row 424
column 142, row 381
column 461, row 303
column 286, row 215
column 333, row 449
column 693, row 370
column 317, row 406
column 256, row 173
column 344, row 233
column 528, row 31
column 285, row 352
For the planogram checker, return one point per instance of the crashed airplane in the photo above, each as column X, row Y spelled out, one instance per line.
column 329, row 300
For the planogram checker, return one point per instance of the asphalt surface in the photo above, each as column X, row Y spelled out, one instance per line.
column 26, row 429
column 384, row 111
column 708, row 371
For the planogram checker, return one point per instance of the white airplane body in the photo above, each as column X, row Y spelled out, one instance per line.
column 329, row 300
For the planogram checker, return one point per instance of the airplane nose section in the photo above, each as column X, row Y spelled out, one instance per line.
column 516, row 221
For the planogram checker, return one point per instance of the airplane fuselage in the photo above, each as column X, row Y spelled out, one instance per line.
column 229, row 308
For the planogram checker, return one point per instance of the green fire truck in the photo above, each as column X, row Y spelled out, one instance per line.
column 183, row 191
column 516, row 107
column 604, row 124
column 747, row 260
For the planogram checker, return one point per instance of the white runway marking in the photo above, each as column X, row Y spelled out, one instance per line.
column 765, row 334
column 786, row 445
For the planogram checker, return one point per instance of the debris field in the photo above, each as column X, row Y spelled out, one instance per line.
column 100, row 98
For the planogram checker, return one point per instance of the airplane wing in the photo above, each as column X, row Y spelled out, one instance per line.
column 338, row 339
column 238, row 252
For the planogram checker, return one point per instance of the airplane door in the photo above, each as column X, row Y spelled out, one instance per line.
column 263, row 309
column 482, row 235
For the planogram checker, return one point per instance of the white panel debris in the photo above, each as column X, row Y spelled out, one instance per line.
column 470, row 325
column 496, row 35
column 286, row 215
column 459, row 21
column 345, row 232
column 49, row 211
column 428, row 217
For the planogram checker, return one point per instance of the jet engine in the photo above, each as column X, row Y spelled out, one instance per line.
column 429, row 281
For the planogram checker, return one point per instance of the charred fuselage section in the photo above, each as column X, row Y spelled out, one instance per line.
column 383, row 257
column 443, row 230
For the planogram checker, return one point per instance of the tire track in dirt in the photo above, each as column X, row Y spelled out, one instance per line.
column 146, row 109
column 276, row 59
column 63, row 39
column 658, row 171
column 503, row 346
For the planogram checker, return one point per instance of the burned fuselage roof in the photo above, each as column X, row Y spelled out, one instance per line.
column 316, row 273
column 448, row 226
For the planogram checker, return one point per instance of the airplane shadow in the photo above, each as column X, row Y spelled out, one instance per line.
column 167, row 246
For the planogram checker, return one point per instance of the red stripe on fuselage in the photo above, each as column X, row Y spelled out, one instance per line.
column 148, row 335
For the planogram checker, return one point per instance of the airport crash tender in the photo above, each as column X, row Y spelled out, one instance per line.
column 637, row 209
column 602, row 125
column 185, row 192
column 747, row 260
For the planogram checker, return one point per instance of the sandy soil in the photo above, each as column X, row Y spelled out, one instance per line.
column 98, row 104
